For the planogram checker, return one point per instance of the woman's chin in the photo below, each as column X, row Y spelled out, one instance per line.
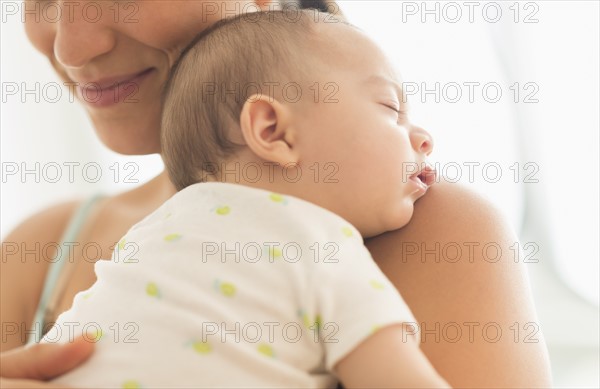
column 128, row 140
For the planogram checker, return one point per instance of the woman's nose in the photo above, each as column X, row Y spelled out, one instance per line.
column 421, row 140
column 83, row 34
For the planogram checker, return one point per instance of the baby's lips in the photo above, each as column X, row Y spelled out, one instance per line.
column 428, row 175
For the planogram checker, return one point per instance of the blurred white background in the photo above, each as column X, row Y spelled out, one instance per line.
column 541, row 134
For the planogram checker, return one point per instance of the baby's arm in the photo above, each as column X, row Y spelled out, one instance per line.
column 388, row 359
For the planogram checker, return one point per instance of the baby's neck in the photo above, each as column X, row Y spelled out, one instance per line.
column 296, row 180
column 265, row 175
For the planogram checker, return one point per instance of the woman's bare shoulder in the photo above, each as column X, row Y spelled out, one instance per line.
column 45, row 225
column 49, row 224
column 456, row 265
column 450, row 212
column 26, row 255
column 457, row 240
column 455, row 204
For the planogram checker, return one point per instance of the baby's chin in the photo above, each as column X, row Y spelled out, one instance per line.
column 390, row 219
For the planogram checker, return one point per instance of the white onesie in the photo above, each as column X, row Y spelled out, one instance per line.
column 229, row 286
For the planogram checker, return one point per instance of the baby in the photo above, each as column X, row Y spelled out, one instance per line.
column 286, row 136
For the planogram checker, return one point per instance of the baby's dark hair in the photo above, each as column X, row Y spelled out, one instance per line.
column 199, row 108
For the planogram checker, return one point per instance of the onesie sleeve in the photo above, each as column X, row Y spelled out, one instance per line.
column 353, row 298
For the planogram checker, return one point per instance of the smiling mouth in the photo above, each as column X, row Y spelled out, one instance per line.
column 115, row 82
column 112, row 91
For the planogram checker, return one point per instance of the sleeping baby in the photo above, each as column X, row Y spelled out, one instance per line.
column 287, row 138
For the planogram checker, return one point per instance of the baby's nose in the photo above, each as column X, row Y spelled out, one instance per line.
column 421, row 140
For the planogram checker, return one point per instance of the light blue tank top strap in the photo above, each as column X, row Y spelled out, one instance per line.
column 70, row 235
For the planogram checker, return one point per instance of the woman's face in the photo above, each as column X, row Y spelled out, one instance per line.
column 116, row 56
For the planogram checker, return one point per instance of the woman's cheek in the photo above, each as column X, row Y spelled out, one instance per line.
column 41, row 35
column 164, row 25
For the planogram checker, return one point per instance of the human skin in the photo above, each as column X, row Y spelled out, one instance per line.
column 468, row 290
column 366, row 134
column 42, row 362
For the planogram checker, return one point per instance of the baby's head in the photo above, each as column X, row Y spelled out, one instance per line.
column 299, row 103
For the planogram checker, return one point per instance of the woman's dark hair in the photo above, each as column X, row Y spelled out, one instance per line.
column 321, row 5
column 329, row 6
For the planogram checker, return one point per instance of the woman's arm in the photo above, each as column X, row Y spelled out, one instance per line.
column 461, row 296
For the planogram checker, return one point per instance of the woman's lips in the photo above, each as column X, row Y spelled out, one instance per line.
column 111, row 91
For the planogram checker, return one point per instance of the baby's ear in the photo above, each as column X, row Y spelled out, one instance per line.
column 267, row 130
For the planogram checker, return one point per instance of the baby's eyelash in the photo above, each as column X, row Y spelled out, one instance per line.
column 400, row 112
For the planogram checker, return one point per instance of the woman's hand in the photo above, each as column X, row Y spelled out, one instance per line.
column 28, row 367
